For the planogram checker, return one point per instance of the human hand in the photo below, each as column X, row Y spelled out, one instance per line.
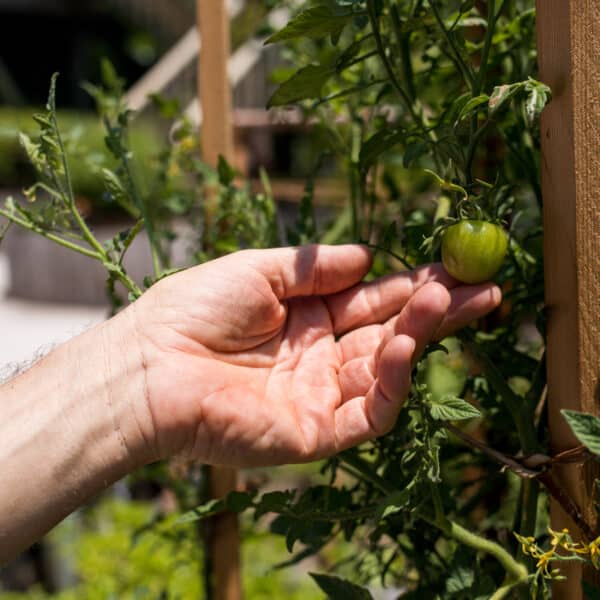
column 284, row 356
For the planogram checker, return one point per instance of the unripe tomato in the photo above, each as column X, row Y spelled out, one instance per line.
column 473, row 251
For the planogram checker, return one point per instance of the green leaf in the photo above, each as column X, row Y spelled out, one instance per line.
column 234, row 502
column 377, row 144
column 305, row 83
column 501, row 95
column 226, row 171
column 392, row 504
column 539, row 95
column 316, row 22
column 413, row 152
column 585, row 427
column 460, row 580
column 340, row 589
column 473, row 104
column 273, row 502
column 212, row 507
column 239, row 501
column 451, row 408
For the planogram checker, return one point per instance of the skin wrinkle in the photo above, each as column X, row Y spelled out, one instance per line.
column 140, row 335
column 145, row 390
column 108, row 392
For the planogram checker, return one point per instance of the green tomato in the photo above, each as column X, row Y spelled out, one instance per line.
column 473, row 251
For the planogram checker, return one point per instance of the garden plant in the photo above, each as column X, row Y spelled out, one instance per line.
column 429, row 110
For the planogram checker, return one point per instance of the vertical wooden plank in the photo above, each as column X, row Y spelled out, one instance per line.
column 569, row 60
column 215, row 90
column 223, row 543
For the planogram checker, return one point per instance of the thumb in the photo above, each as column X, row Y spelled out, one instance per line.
column 312, row 270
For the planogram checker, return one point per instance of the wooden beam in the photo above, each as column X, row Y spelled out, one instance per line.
column 569, row 61
column 223, row 545
column 215, row 89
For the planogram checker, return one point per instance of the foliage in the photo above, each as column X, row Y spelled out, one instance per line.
column 115, row 555
column 84, row 140
column 430, row 109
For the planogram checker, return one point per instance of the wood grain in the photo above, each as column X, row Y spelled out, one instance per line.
column 223, row 543
column 569, row 61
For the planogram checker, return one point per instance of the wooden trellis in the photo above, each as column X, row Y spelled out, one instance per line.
column 569, row 59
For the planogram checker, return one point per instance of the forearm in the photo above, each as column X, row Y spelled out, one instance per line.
column 69, row 427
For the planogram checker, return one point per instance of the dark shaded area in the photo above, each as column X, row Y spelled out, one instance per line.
column 33, row 45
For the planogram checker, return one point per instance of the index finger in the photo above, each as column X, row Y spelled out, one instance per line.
column 377, row 301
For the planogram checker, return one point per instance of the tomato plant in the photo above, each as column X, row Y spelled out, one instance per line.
column 473, row 251
column 427, row 110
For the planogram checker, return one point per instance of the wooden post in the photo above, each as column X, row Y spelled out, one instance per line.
column 569, row 60
column 215, row 90
column 223, row 544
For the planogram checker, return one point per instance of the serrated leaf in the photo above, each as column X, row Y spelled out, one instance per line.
column 585, row 427
column 325, row 19
column 305, row 83
column 451, row 408
column 377, row 144
column 337, row 588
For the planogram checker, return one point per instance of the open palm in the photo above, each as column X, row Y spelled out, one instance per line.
column 280, row 356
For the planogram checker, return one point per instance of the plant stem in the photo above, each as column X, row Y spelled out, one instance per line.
column 366, row 472
column 472, row 148
column 357, row 60
column 531, row 490
column 386, row 63
column 505, row 588
column 57, row 239
column 461, row 64
column 51, row 236
column 516, row 570
column 514, row 403
column 87, row 234
column 489, row 36
column 145, row 215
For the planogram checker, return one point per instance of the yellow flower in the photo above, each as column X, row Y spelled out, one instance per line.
column 544, row 562
column 594, row 550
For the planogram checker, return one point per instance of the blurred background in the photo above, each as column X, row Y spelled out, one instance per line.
column 48, row 294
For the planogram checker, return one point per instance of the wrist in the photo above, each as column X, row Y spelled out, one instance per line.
column 126, row 393
column 69, row 427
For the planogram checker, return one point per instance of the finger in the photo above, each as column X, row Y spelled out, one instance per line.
column 468, row 303
column 366, row 417
column 420, row 319
column 377, row 301
column 311, row 270
column 356, row 377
